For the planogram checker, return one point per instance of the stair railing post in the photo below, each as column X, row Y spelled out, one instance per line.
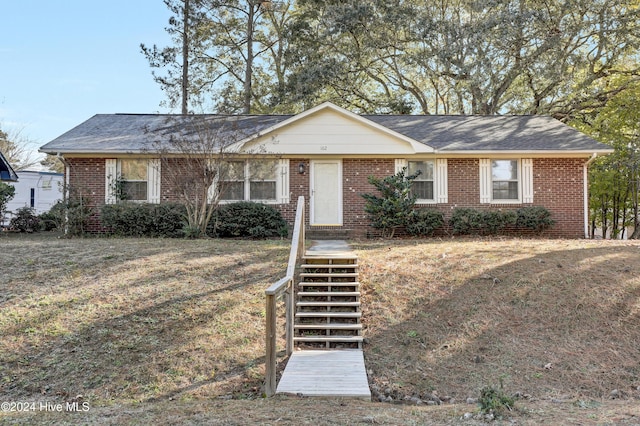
column 270, row 361
column 284, row 287
column 290, row 310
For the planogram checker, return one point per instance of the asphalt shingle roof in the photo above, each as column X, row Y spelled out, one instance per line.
column 121, row 133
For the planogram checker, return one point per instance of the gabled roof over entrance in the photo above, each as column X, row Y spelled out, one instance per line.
column 6, row 172
column 328, row 129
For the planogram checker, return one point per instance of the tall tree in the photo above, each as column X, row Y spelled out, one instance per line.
column 17, row 150
column 176, row 68
column 219, row 48
column 465, row 56
column 615, row 179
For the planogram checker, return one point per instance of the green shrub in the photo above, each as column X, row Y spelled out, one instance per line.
column 495, row 401
column 25, row 220
column 392, row 208
column 247, row 219
column 494, row 221
column 423, row 222
column 144, row 219
column 7, row 192
column 536, row 218
column 489, row 222
column 466, row 221
column 54, row 219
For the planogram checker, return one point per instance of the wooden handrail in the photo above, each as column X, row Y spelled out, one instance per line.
column 283, row 287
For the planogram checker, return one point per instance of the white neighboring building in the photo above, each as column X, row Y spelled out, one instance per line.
column 38, row 190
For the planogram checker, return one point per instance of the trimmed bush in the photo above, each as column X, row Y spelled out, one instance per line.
column 144, row 219
column 536, row 218
column 489, row 222
column 423, row 222
column 495, row 221
column 247, row 219
column 25, row 220
column 466, row 221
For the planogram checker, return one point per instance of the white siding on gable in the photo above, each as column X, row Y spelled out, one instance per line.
column 328, row 132
column 153, row 181
column 111, row 175
column 441, row 177
column 485, row 180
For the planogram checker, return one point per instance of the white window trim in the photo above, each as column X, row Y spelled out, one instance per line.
column 281, row 180
column 440, row 178
column 525, row 181
column 112, row 171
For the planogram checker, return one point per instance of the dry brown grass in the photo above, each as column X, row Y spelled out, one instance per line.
column 147, row 330
column 548, row 318
column 127, row 320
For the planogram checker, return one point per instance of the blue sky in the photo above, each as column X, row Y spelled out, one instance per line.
column 61, row 62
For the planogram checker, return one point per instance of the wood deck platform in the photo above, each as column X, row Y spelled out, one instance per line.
column 332, row 373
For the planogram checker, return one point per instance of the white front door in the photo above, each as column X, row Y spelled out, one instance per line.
column 326, row 192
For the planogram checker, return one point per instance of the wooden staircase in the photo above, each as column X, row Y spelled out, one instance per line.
column 328, row 303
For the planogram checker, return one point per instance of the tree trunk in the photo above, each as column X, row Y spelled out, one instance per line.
column 248, row 71
column 185, row 57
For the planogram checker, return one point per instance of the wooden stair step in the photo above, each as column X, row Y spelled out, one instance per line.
column 328, row 314
column 333, row 304
column 326, row 283
column 342, row 339
column 330, row 326
column 330, row 257
column 329, row 266
column 329, row 293
column 329, row 274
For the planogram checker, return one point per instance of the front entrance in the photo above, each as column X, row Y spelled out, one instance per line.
column 326, row 193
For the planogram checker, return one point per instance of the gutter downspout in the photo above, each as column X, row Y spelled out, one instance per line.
column 586, row 193
column 65, row 192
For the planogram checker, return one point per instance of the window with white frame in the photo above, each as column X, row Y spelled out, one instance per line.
column 505, row 180
column 431, row 186
column 249, row 180
column 133, row 179
column 423, row 185
column 231, row 182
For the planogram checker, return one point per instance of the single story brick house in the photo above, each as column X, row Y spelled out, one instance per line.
column 327, row 153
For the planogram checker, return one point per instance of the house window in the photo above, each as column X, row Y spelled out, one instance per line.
column 251, row 180
column 262, row 180
column 505, row 180
column 232, row 181
column 423, row 185
column 133, row 180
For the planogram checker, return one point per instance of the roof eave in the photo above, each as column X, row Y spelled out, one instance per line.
column 549, row 152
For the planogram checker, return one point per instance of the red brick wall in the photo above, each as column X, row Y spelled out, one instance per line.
column 87, row 180
column 558, row 185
